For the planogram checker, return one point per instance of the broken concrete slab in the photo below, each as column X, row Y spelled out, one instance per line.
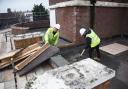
column 114, row 48
column 58, row 61
column 39, row 59
column 85, row 74
column 1, row 85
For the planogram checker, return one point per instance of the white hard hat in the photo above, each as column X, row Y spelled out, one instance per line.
column 82, row 31
column 57, row 26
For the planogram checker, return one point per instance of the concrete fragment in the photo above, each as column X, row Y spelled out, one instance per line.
column 58, row 61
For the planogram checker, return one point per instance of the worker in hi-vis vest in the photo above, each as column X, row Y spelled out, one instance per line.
column 52, row 35
column 92, row 42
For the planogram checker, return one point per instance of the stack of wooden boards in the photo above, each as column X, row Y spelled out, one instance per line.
column 18, row 55
column 29, row 57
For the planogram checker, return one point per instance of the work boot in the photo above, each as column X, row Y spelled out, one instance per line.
column 96, row 58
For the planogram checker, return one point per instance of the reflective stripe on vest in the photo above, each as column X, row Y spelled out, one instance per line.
column 95, row 40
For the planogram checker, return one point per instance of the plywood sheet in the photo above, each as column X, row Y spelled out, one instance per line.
column 114, row 48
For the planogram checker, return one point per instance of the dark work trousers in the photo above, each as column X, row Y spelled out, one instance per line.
column 91, row 50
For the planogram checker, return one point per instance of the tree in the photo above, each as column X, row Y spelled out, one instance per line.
column 9, row 10
column 40, row 13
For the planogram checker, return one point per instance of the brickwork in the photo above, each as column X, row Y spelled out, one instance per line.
column 71, row 20
column 109, row 21
column 35, row 24
column 106, row 25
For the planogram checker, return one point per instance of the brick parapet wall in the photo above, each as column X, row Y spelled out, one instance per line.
column 52, row 2
column 21, row 28
column 35, row 24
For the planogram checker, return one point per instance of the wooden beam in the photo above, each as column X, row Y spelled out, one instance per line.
column 38, row 60
column 18, row 55
column 9, row 54
column 32, row 57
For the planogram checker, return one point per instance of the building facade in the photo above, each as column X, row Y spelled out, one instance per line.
column 7, row 19
column 110, row 17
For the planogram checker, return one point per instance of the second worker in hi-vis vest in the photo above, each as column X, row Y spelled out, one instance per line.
column 92, row 42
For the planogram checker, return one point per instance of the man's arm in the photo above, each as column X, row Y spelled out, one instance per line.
column 46, row 36
column 57, row 39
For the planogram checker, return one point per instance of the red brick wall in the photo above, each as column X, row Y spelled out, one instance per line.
column 125, row 21
column 108, row 21
column 82, row 20
column 71, row 20
column 35, row 24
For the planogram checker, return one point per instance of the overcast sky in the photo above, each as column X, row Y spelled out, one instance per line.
column 22, row 5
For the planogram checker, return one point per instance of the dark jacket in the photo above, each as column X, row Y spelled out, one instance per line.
column 87, row 40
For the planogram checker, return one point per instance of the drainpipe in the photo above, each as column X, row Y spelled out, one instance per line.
column 92, row 13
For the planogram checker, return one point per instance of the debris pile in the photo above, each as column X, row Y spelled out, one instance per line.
column 29, row 57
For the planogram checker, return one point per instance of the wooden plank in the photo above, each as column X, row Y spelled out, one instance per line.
column 30, row 49
column 40, row 59
column 1, row 85
column 5, row 58
column 32, row 57
column 9, row 54
column 20, row 55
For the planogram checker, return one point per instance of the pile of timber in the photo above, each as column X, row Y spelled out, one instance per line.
column 35, row 59
column 18, row 55
column 28, row 58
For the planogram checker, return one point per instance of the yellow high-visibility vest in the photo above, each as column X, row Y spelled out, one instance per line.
column 95, row 40
column 51, row 38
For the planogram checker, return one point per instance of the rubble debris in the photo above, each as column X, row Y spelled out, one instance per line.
column 114, row 48
column 37, row 58
column 85, row 74
column 31, row 57
column 18, row 55
column 58, row 61
column 5, row 59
